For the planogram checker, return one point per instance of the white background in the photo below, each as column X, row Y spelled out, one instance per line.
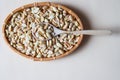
column 97, row 58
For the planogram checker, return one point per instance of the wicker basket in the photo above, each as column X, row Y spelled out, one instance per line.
column 42, row 4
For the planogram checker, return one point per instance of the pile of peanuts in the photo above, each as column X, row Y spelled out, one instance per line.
column 25, row 33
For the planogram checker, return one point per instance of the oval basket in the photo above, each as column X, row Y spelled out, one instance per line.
column 42, row 4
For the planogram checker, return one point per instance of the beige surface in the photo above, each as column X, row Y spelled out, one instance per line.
column 98, row 58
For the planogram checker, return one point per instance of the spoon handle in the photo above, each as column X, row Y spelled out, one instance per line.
column 92, row 32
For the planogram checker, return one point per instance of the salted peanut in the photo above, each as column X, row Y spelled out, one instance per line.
column 64, row 13
column 42, row 47
column 70, row 47
column 42, row 18
column 56, row 48
column 50, row 52
column 67, row 45
column 54, row 9
column 19, row 46
column 51, row 16
column 46, row 20
column 66, row 25
column 30, row 44
column 23, row 51
column 70, row 25
column 27, row 38
column 23, row 25
column 48, row 35
column 24, row 13
column 48, row 31
column 76, row 23
column 73, row 28
column 70, row 18
column 76, row 40
column 63, row 36
column 44, row 55
column 37, row 50
column 49, row 44
column 41, row 30
column 45, row 52
column 61, row 51
column 49, row 56
column 35, row 10
column 10, row 28
column 39, row 55
column 45, row 8
column 33, row 25
column 28, row 51
column 57, row 53
column 59, row 44
column 33, row 53
column 7, row 32
column 13, row 40
column 36, row 44
column 15, row 29
column 22, row 36
column 39, row 36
